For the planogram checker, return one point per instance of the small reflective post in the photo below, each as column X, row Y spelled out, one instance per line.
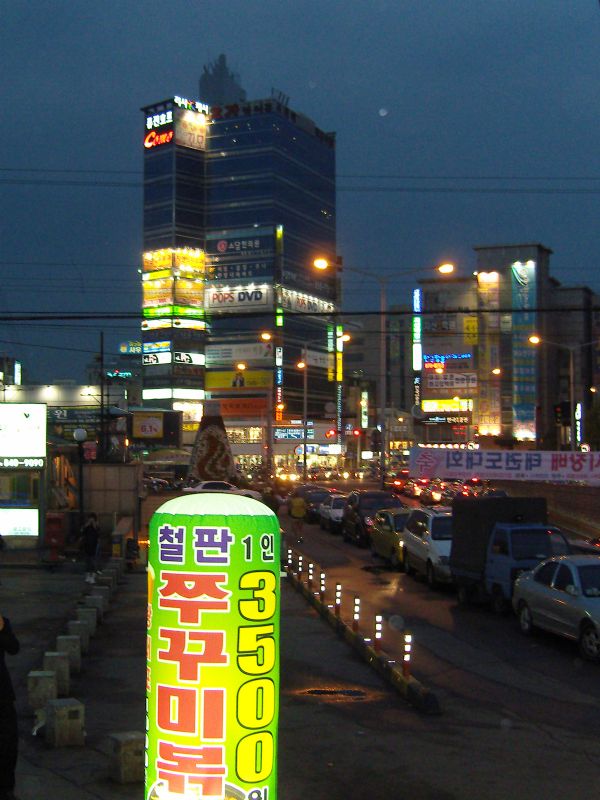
column 378, row 632
column 407, row 654
column 322, row 588
column 338, row 599
column 356, row 614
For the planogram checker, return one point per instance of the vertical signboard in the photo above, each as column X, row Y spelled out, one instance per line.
column 213, row 649
column 523, row 288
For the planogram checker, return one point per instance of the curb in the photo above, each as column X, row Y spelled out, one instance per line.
column 412, row 690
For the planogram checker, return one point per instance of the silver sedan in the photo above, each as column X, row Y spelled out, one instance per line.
column 562, row 595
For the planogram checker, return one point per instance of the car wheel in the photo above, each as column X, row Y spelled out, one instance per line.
column 463, row 595
column 430, row 576
column 498, row 602
column 525, row 620
column 410, row 570
column 394, row 560
column 321, row 523
column 589, row 642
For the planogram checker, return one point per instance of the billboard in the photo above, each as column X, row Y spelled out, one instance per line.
column 293, row 300
column 227, row 354
column 241, row 254
column 23, row 430
column 524, row 320
column 238, row 298
column 237, row 379
column 243, row 406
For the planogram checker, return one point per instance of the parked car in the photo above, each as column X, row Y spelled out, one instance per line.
column 562, row 595
column 331, row 511
column 360, row 511
column 427, row 541
column 222, row 486
column 386, row 534
column 433, row 493
column 313, row 498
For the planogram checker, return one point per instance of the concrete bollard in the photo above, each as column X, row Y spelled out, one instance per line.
column 89, row 616
column 104, row 593
column 108, row 581
column 59, row 663
column 71, row 645
column 77, row 627
column 127, row 757
column 97, row 603
column 64, row 723
column 41, row 687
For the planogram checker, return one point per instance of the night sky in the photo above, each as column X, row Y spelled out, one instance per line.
column 459, row 123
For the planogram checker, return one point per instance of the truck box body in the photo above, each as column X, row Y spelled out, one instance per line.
column 473, row 522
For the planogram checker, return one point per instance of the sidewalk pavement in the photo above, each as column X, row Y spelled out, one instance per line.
column 343, row 733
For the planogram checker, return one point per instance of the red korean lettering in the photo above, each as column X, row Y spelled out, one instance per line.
column 182, row 766
column 176, row 708
column 189, row 661
column 192, row 593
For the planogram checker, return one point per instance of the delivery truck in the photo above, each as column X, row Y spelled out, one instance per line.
column 494, row 540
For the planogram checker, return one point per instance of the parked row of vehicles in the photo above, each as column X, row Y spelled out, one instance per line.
column 492, row 548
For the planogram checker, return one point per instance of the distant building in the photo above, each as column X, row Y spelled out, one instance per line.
column 219, row 86
column 480, row 378
column 239, row 199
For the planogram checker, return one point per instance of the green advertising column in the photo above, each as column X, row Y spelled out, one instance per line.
column 213, row 649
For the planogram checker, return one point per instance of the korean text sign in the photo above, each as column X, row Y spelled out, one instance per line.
column 213, row 649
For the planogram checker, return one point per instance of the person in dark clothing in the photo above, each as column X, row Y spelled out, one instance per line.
column 90, row 534
column 9, row 733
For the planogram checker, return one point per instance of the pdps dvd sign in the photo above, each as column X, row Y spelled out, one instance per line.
column 213, row 649
column 249, row 297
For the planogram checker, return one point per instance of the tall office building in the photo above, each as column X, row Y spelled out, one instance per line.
column 239, row 199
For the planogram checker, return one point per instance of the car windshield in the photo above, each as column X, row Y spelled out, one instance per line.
column 316, row 497
column 339, row 502
column 375, row 502
column 400, row 521
column 528, row 543
column 589, row 577
column 441, row 527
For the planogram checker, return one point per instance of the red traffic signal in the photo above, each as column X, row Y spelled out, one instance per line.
column 356, row 432
column 331, row 433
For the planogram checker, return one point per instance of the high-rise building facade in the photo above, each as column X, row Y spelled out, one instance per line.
column 238, row 202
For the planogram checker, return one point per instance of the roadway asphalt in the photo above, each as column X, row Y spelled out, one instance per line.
column 344, row 734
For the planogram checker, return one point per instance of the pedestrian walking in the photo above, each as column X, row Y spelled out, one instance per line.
column 90, row 535
column 297, row 511
column 9, row 732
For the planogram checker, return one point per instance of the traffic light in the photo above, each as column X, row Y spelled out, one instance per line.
column 562, row 413
column 356, row 432
column 331, row 433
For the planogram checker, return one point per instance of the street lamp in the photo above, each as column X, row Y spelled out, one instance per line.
column 571, row 348
column 382, row 280
column 80, row 435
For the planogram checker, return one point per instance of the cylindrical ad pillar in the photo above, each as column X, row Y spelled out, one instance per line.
column 213, row 649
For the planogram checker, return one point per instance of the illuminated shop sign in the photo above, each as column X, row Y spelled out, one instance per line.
column 238, row 298
column 19, row 521
column 156, row 347
column 253, row 352
column 158, row 138
column 157, row 358
column 158, row 120
column 212, row 679
column 189, row 358
column 364, row 409
column 452, row 380
column 297, row 434
column 447, row 404
column 190, row 129
column 130, row 348
column 304, row 303
column 443, row 358
column 23, row 430
column 184, row 259
column 22, row 463
column 191, row 105
column 448, row 419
